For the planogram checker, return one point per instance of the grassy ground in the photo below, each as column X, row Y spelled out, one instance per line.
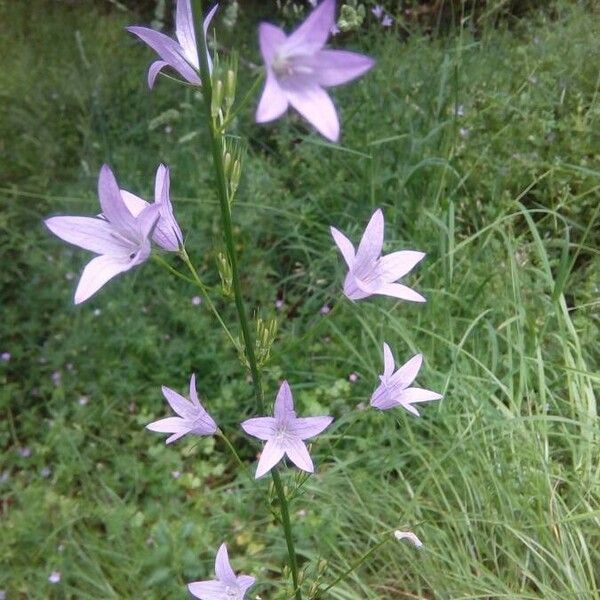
column 483, row 151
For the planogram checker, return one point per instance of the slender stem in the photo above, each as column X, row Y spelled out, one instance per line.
column 356, row 564
column 234, row 452
column 163, row 263
column 217, row 146
column 196, row 279
column 287, row 529
column 216, row 142
column 249, row 95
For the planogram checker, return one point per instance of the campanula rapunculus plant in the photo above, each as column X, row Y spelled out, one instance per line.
column 394, row 388
column 227, row 585
column 167, row 233
column 191, row 415
column 299, row 68
column 284, row 433
column 370, row 273
column 121, row 239
column 180, row 55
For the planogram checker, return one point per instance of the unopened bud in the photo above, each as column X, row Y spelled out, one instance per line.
column 230, row 84
column 217, row 98
column 410, row 536
column 225, row 274
column 227, row 163
column 234, row 178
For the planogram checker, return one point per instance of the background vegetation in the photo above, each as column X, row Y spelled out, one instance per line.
column 481, row 144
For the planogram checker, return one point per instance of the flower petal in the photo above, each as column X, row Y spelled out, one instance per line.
column 184, row 30
column 272, row 453
column 135, row 205
column 262, row 428
column 345, row 246
column 270, row 38
column 245, row 582
column 416, row 395
column 97, row 272
column 169, row 425
column 284, row 403
column 155, row 68
column 382, row 399
column 96, row 235
column 371, row 242
column 223, row 569
column 167, row 233
column 194, row 391
column 307, row 427
column 352, row 289
column 313, row 103
column 397, row 290
column 273, row 102
column 313, row 33
column 407, row 373
column 177, row 402
column 388, row 361
column 111, row 201
column 298, row 452
column 206, row 25
column 208, row 590
column 397, row 264
column 334, row 67
column 169, row 50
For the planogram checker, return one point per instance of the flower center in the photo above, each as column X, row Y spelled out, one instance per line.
column 285, row 65
column 231, row 591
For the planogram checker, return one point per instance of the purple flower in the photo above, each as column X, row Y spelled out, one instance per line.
column 167, row 233
column 5, row 356
column 410, row 536
column 378, row 11
column 121, row 240
column 370, row 273
column 196, row 300
column 299, row 68
column 54, row 577
column 192, row 416
column 394, row 391
column 227, row 585
column 181, row 55
column 387, row 21
column 284, row 433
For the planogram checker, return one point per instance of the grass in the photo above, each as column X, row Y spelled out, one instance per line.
column 482, row 150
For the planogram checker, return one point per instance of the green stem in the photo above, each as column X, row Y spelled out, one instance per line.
column 217, row 144
column 196, row 279
column 287, row 529
column 234, row 452
column 249, row 95
column 355, row 566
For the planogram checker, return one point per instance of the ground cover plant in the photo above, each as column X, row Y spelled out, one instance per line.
column 482, row 150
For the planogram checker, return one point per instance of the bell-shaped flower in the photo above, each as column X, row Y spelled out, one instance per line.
column 394, row 388
column 192, row 417
column 285, row 433
column 299, row 68
column 180, row 55
column 121, row 239
column 370, row 273
column 227, row 585
column 167, row 233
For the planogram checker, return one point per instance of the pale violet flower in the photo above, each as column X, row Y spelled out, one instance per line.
column 378, row 11
column 54, row 577
column 192, row 417
column 284, row 433
column 370, row 273
column 167, row 233
column 227, row 585
column 5, row 356
column 181, row 55
column 410, row 536
column 387, row 21
column 394, row 388
column 299, row 68
column 121, row 240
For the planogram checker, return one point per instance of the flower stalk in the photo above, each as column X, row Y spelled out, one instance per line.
column 216, row 137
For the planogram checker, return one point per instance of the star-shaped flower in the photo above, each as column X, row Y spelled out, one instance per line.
column 284, row 433
column 370, row 273
column 167, row 233
column 227, row 585
column 181, row 55
column 121, row 239
column 299, row 68
column 192, row 418
column 394, row 391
